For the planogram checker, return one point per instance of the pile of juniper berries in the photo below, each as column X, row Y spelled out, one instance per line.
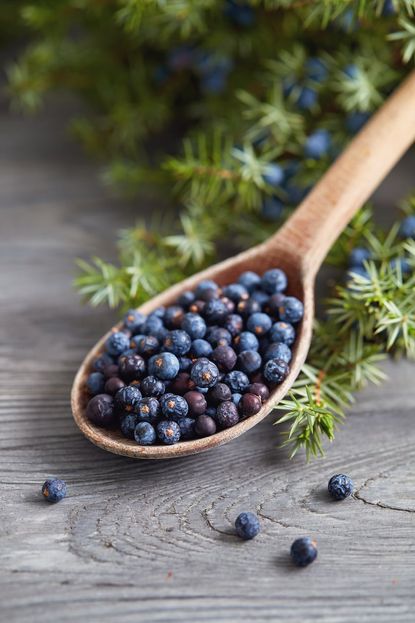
column 198, row 366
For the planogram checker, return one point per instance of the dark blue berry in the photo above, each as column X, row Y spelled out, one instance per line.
column 230, row 305
column 95, row 383
column 274, row 281
column 388, row 8
column 186, row 299
column 295, row 193
column 215, row 311
column 236, row 292
column 246, row 341
column 205, row 426
column 303, row 551
column 271, row 208
column 173, row 406
column 247, row 526
column 177, row 342
column 100, row 410
column 206, row 286
column 291, row 310
column 358, row 256
column 168, row 432
column 164, row 366
column 154, row 326
column 237, row 381
column 127, row 400
column 234, row 324
column 259, row 324
column 200, row 348
column 54, row 490
column 276, row 370
column 131, row 367
column 173, row 317
column 102, row 362
column 317, row 144
column 282, row 332
column 196, row 402
column 249, row 361
column 185, row 363
column 239, row 13
column 113, row 385
column 407, row 227
column 307, row 98
column 356, row 120
column 204, row 373
column 181, row 384
column 247, row 308
column 250, row 404
column 117, row 343
column 217, row 336
column 214, row 82
column 133, row 321
column 278, row 350
column 152, row 386
column 340, row 486
column 128, row 424
column 259, row 389
column 236, row 398
column 273, row 174
column 146, row 345
column 211, row 412
column 401, row 263
column 220, row 393
column 316, row 69
column 110, row 371
column 187, row 427
column 130, row 351
column 224, row 357
column 159, row 312
column 144, row 434
column 227, row 414
column 352, row 71
column 249, row 280
column 260, row 297
column 148, row 409
column 194, row 325
column 198, row 306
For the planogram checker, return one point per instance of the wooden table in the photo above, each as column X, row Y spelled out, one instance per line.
column 152, row 541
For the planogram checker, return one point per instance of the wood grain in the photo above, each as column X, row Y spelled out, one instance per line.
column 152, row 541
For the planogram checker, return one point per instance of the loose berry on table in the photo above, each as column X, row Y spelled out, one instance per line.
column 247, row 526
column 54, row 490
column 303, row 551
column 340, row 486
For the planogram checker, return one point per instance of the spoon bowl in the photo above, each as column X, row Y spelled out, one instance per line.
column 223, row 273
column 298, row 248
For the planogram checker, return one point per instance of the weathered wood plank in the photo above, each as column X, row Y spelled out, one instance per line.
column 139, row 541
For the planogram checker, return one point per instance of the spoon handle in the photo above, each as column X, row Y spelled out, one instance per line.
column 350, row 181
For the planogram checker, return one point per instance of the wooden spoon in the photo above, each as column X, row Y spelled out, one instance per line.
column 299, row 248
